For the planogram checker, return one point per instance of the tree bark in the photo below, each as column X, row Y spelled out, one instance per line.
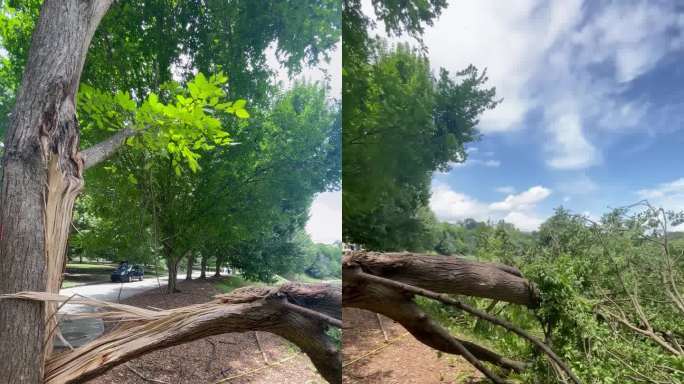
column 449, row 274
column 188, row 273
column 42, row 175
column 172, row 266
column 203, row 263
column 218, row 267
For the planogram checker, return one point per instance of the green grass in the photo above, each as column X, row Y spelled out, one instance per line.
column 90, row 268
column 70, row 284
column 230, row 283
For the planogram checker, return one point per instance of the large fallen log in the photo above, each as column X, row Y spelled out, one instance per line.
column 386, row 283
column 448, row 274
column 300, row 313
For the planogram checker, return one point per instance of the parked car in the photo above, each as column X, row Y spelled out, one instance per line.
column 125, row 273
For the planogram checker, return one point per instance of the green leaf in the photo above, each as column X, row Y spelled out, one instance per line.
column 241, row 113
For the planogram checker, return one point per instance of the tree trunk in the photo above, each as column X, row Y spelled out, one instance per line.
column 203, row 263
column 42, row 175
column 188, row 273
column 218, row 267
column 172, row 266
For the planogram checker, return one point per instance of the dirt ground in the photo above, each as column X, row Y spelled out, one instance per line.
column 211, row 359
column 404, row 360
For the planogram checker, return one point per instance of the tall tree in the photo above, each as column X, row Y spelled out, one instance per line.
column 411, row 123
column 43, row 164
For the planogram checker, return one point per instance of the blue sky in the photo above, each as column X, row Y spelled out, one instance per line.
column 593, row 110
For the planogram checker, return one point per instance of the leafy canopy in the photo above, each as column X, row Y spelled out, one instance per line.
column 177, row 129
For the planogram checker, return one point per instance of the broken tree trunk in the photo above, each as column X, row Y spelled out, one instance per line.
column 300, row 313
column 42, row 175
column 386, row 283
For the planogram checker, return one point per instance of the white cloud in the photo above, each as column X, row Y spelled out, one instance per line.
column 569, row 148
column 522, row 201
column 668, row 195
column 524, row 221
column 506, row 189
column 489, row 163
column 325, row 221
column 541, row 54
column 519, row 210
column 450, row 205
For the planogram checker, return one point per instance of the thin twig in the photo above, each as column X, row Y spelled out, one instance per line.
column 261, row 349
column 376, row 350
column 140, row 375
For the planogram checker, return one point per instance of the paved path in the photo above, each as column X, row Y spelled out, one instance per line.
column 81, row 331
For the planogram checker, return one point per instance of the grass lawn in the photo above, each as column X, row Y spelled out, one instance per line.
column 230, row 283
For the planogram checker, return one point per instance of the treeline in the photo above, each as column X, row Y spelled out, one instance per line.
column 220, row 162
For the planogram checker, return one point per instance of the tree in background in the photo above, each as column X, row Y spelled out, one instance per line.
column 401, row 123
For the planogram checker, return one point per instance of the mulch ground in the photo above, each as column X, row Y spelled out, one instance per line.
column 404, row 360
column 214, row 358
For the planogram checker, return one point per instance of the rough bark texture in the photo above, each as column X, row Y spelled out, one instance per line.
column 301, row 313
column 444, row 274
column 172, row 267
column 449, row 274
column 42, row 176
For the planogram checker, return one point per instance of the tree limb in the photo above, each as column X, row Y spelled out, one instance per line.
column 248, row 309
column 474, row 311
column 449, row 274
column 102, row 150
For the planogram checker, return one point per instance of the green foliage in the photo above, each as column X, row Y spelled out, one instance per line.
column 587, row 273
column 410, row 124
column 16, row 25
column 178, row 129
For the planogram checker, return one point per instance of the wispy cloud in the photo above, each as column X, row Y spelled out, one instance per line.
column 506, row 189
column 669, row 195
column 572, row 61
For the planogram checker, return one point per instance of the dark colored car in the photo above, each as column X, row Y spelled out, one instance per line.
column 126, row 273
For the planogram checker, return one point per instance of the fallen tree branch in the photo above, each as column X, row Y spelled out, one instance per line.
column 449, row 274
column 266, row 309
column 386, row 284
column 398, row 306
column 474, row 311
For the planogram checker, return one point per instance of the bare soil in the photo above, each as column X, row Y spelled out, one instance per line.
column 403, row 360
column 211, row 359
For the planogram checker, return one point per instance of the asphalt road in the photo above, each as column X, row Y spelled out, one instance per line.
column 81, row 331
